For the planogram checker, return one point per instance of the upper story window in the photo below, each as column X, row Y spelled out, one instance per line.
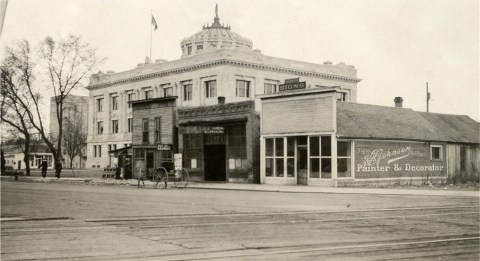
column 436, row 152
column 114, row 103
column 114, row 126
column 100, row 127
column 158, row 127
column 211, row 88
column 187, row 91
column 130, row 124
column 100, row 104
column 342, row 96
column 130, row 97
column 149, row 94
column 167, row 90
column 270, row 88
column 145, row 130
column 242, row 88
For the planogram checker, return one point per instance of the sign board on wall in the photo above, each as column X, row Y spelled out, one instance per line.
column 164, row 147
column 201, row 129
column 291, row 86
column 377, row 159
column 177, row 159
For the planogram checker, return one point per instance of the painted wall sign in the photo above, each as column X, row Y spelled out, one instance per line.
column 164, row 147
column 392, row 159
column 291, row 86
column 201, row 129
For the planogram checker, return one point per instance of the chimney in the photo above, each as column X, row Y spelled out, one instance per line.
column 398, row 102
column 221, row 100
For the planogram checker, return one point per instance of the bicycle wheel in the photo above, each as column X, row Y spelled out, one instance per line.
column 181, row 181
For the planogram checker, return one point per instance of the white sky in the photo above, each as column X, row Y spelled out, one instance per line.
column 396, row 45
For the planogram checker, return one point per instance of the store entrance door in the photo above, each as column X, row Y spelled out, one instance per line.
column 302, row 166
column 150, row 163
column 215, row 163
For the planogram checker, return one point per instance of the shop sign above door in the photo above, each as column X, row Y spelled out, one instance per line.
column 164, row 147
column 201, row 129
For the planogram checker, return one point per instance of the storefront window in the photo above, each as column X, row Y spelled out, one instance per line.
column 274, row 157
column 139, row 156
column 290, row 156
column 237, row 151
column 192, row 148
column 321, row 157
column 344, row 157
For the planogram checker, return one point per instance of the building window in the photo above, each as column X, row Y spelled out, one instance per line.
column 237, row 151
column 463, row 158
column 94, row 151
column 149, row 94
column 130, row 97
column 342, row 96
column 158, row 132
column 199, row 47
column 243, row 88
column 187, row 91
column 99, row 151
column 114, row 103
column 114, row 126
column 145, row 130
column 270, row 88
column 130, row 125
column 167, row 90
column 436, row 152
column 189, row 50
column 114, row 146
column 274, row 157
column 344, row 159
column 211, row 88
column 100, row 127
column 100, row 105
column 192, row 148
column 321, row 157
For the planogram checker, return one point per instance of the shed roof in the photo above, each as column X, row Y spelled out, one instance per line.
column 379, row 122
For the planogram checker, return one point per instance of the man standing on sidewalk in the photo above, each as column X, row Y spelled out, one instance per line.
column 44, row 168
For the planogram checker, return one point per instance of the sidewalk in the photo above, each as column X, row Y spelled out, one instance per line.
column 254, row 187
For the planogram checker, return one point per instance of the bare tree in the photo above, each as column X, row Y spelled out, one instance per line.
column 67, row 62
column 75, row 137
column 16, row 78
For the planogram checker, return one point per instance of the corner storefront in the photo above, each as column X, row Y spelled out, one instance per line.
column 310, row 137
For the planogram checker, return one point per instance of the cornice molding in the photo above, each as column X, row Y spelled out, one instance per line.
column 224, row 62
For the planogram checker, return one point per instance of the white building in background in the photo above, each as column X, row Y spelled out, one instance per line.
column 75, row 108
column 215, row 63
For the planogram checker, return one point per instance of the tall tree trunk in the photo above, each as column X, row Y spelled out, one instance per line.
column 26, row 154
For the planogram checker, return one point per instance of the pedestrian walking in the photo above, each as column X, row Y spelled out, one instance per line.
column 44, row 168
column 58, row 169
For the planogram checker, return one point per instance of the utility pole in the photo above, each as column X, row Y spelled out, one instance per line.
column 428, row 98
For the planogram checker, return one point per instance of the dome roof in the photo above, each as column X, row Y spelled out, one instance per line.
column 215, row 36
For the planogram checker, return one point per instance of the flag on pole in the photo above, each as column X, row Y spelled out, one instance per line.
column 154, row 23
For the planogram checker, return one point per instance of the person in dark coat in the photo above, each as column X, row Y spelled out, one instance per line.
column 58, row 169
column 44, row 168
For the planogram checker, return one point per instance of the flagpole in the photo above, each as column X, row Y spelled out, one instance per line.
column 151, row 15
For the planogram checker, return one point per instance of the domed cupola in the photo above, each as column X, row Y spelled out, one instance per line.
column 215, row 36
